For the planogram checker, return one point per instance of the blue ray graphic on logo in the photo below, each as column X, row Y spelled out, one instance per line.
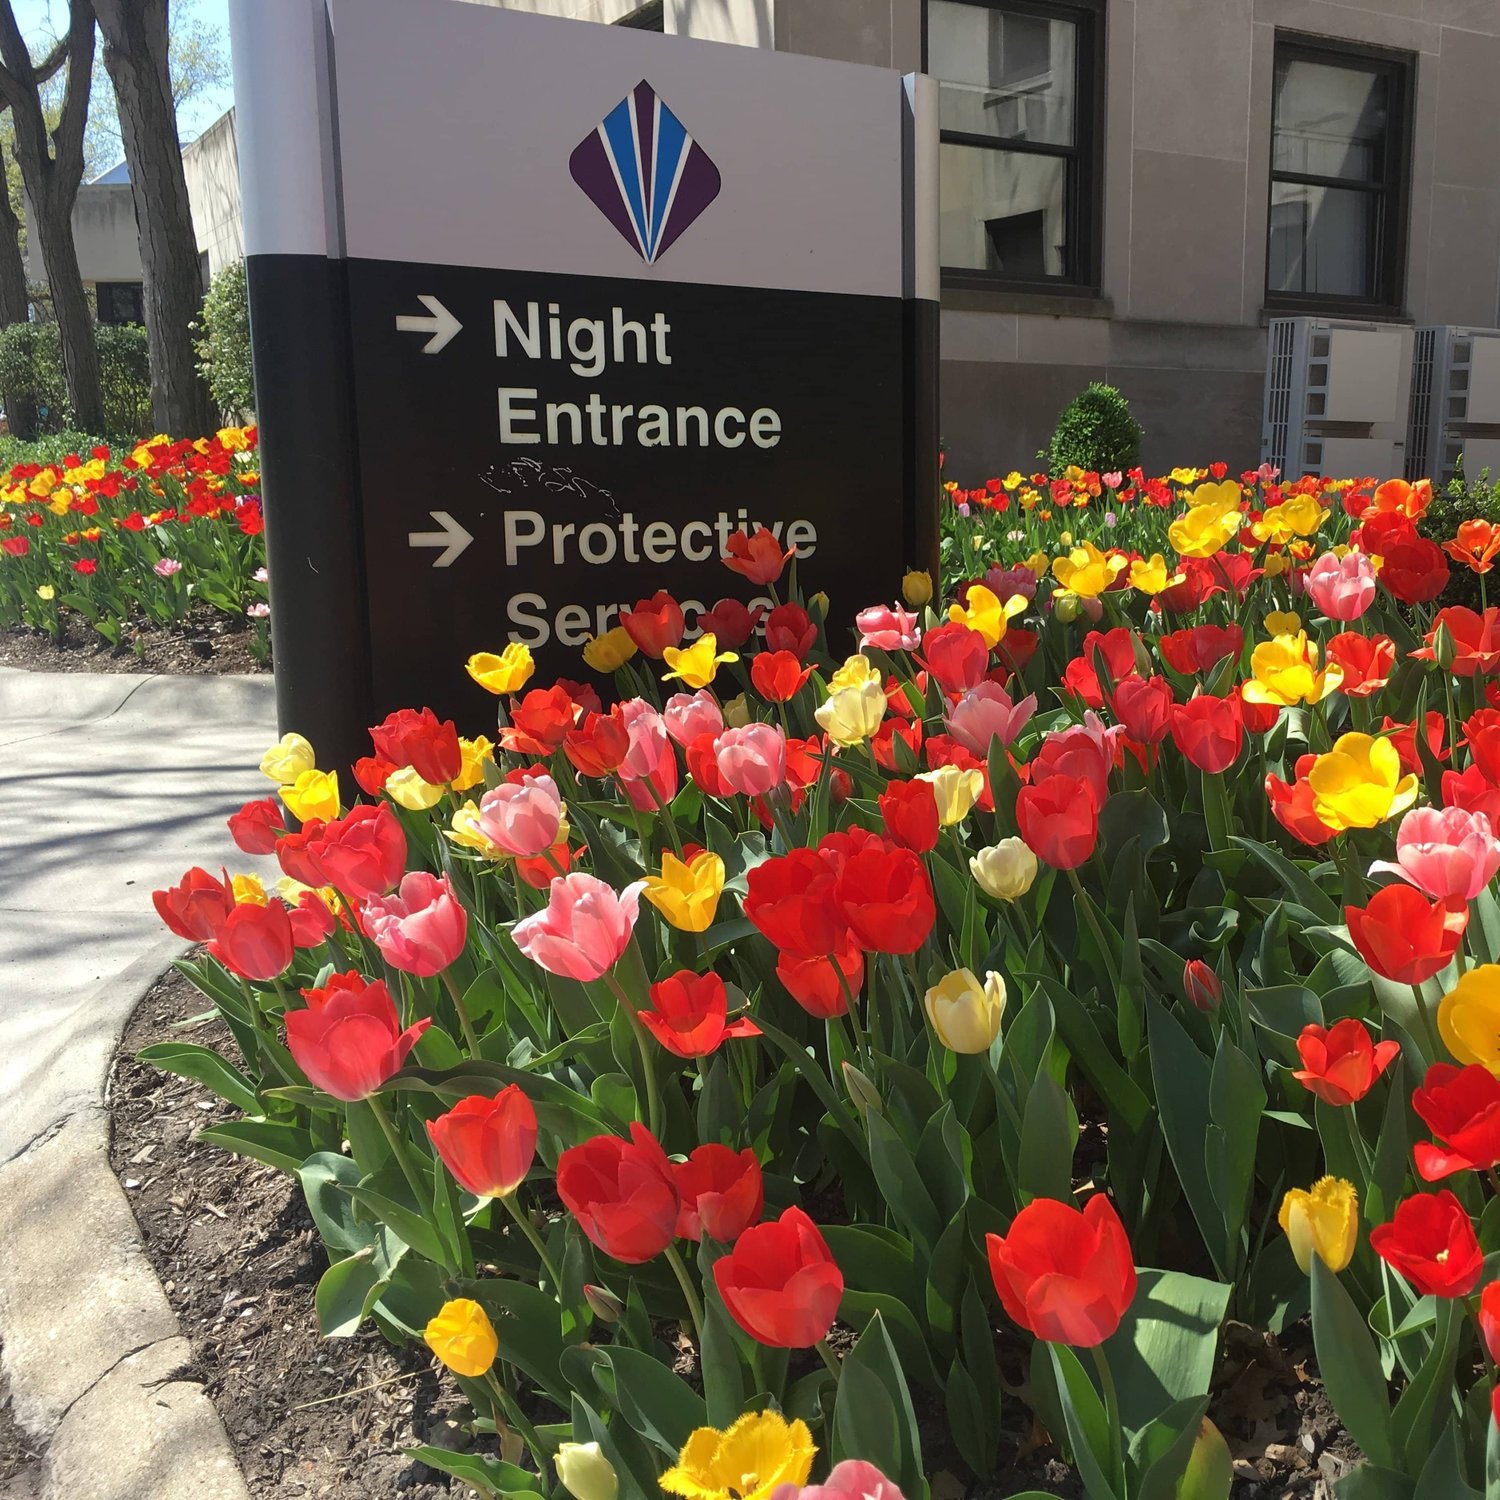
column 644, row 172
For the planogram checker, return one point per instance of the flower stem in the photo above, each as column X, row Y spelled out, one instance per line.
column 1111, row 1402
column 1427, row 1024
column 523, row 1222
column 463, row 1014
column 695, row 1307
column 653, row 1096
column 398, row 1150
column 517, row 1419
column 829, row 1358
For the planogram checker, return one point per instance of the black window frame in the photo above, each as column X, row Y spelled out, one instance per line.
column 1085, row 157
column 107, row 297
column 650, row 17
column 1389, row 254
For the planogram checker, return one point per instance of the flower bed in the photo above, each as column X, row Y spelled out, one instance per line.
column 720, row 1078
column 138, row 539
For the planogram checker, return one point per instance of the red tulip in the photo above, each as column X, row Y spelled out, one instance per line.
column 910, row 813
column 1144, row 706
column 791, row 901
column 312, row 920
column 789, row 627
column 1294, row 807
column 731, row 623
column 956, row 656
column 944, row 750
column 540, row 722
column 197, row 906
column 1489, row 1326
column 1403, row 936
column 1113, row 651
column 723, row 1193
column 255, row 942
column 886, row 898
column 1059, row 819
column 815, row 983
column 1414, row 569
column 351, row 1042
column 757, row 556
column 1461, row 1107
column 360, row 855
column 1365, row 660
column 1201, row 986
column 1340, row 1065
column 781, row 1283
column 1431, row 1242
column 487, row 1144
column 418, row 740
column 598, row 745
column 654, row 624
column 1065, row 1275
column 1202, row 648
column 1210, row 731
column 372, row 773
column 622, row 1193
column 690, row 1015
column 778, row 675
column 257, row 825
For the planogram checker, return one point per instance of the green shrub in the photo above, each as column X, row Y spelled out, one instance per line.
column 50, row 449
column 1460, row 500
column 223, row 342
column 1096, row 432
column 31, row 372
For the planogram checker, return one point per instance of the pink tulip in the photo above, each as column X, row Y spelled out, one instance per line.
column 1006, row 583
column 888, row 629
column 751, row 760
column 687, row 715
column 649, row 745
column 420, row 927
column 165, row 567
column 523, row 817
column 854, row 1479
column 1445, row 852
column 584, row 928
column 986, row 713
column 1342, row 587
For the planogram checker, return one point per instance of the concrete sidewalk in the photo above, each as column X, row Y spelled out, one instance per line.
column 110, row 786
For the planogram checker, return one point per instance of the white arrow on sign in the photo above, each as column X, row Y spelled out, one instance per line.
column 453, row 539
column 442, row 325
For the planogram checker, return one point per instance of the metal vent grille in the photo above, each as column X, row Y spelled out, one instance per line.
column 1279, row 392
column 1419, row 423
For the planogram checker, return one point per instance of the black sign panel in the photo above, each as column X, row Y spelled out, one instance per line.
column 571, row 444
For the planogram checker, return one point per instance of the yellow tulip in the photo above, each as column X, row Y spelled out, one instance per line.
column 1283, row 622
column 1088, row 572
column 585, row 1472
column 287, row 759
column 916, row 587
column 1151, row 575
column 408, row 790
column 1358, row 784
column 462, row 1336
column 850, row 717
column 1277, row 563
column 856, row 671
column 507, row 673
column 1200, row 532
column 737, row 711
column 982, row 611
column 749, row 1460
column 964, row 1013
column 464, row 830
column 1219, row 498
column 610, row 651
column 955, row 791
column 248, row 890
column 697, row 664
column 1184, row 476
column 1300, row 516
column 475, row 753
column 314, row 794
column 687, row 895
column 1285, row 671
column 1005, row 871
column 1325, row 1219
column 45, row 591
column 1469, row 1018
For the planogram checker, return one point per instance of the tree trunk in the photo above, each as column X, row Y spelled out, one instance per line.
column 136, row 56
column 15, row 307
column 52, row 168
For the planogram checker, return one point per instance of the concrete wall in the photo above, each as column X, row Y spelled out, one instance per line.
column 103, row 231
column 212, row 167
column 749, row 23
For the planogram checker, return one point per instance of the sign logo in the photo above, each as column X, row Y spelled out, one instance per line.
column 644, row 172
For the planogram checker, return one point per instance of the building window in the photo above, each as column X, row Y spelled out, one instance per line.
column 1020, row 91
column 647, row 18
column 120, row 302
column 1340, row 153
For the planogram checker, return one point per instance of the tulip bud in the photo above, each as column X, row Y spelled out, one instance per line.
column 737, row 712
column 861, row 1091
column 1005, row 871
column 585, row 1472
column 817, row 606
column 603, row 1303
column 1143, row 662
column 916, row 588
column 1066, row 606
column 965, row 1014
column 1444, row 647
column 287, row 759
column 1201, row 986
column 1093, row 610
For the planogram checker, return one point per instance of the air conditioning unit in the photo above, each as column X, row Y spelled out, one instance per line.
column 1337, row 397
column 1455, row 403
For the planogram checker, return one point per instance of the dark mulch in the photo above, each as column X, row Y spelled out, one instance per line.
column 239, row 1256
column 207, row 641
column 20, row 1455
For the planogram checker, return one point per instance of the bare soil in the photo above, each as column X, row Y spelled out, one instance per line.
column 20, row 1455
column 239, row 1257
column 207, row 641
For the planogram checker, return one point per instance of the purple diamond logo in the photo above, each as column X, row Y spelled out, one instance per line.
column 644, row 172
